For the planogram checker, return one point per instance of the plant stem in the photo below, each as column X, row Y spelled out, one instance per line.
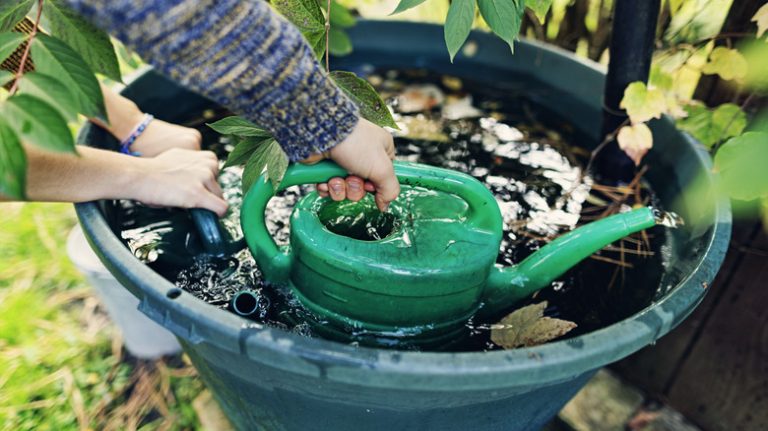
column 328, row 37
column 23, row 62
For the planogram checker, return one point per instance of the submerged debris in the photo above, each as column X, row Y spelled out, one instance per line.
column 496, row 136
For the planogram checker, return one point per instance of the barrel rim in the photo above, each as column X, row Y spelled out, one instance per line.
column 196, row 321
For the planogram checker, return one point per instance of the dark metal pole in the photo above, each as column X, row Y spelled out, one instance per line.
column 632, row 43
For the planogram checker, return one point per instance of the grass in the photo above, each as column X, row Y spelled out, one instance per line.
column 62, row 366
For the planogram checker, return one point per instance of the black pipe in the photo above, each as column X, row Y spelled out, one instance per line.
column 631, row 50
column 250, row 303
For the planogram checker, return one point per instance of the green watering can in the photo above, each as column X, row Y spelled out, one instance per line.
column 430, row 275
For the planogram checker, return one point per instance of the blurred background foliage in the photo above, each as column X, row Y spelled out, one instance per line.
column 62, row 366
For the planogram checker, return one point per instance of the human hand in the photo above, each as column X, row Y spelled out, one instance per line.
column 160, row 136
column 367, row 153
column 180, row 178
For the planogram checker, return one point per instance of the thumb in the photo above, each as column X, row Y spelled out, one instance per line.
column 387, row 186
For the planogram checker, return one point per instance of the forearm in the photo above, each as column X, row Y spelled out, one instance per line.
column 94, row 174
column 123, row 114
column 241, row 54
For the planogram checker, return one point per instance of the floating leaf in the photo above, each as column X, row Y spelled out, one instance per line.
column 38, row 123
column 741, row 162
column 761, row 18
column 308, row 17
column 267, row 156
column 728, row 63
column 13, row 11
column 635, row 141
column 710, row 126
column 53, row 57
column 246, row 145
column 458, row 24
column 642, row 103
column 9, row 41
column 52, row 91
column 527, row 326
column 13, row 164
column 503, row 17
column 404, row 5
column 90, row 42
column 238, row 126
column 339, row 43
column 539, row 7
column 372, row 108
column 340, row 16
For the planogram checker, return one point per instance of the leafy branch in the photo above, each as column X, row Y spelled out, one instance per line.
column 323, row 27
column 39, row 104
column 739, row 149
column 503, row 17
column 322, row 24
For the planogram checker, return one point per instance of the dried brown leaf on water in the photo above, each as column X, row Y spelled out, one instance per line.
column 527, row 326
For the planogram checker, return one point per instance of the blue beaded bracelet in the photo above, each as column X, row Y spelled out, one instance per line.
column 125, row 146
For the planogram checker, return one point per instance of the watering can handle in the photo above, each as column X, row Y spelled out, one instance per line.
column 484, row 212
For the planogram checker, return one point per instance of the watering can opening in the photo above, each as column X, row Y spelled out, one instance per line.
column 358, row 220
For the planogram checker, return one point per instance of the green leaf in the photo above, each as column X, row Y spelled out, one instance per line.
column 756, row 54
column 761, row 19
column 527, row 326
column 741, row 162
column 90, row 42
column 277, row 167
column 267, row 156
column 539, row 7
column 13, row 11
column 246, row 145
column 712, row 126
column 308, row 17
column 404, row 5
column 13, row 164
column 50, row 90
column 341, row 17
column 642, row 103
column 9, row 41
column 238, row 126
column 458, row 24
column 5, row 77
column 339, row 42
column 53, row 57
column 728, row 63
column 504, row 18
column 372, row 108
column 38, row 123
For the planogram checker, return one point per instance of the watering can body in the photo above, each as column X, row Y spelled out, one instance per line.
column 422, row 282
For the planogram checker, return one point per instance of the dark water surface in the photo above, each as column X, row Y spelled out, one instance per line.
column 531, row 162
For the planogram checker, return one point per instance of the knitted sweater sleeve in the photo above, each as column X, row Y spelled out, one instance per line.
column 241, row 54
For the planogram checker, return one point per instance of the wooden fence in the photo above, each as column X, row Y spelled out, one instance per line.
column 714, row 366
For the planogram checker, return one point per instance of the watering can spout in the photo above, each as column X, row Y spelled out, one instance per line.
column 511, row 284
